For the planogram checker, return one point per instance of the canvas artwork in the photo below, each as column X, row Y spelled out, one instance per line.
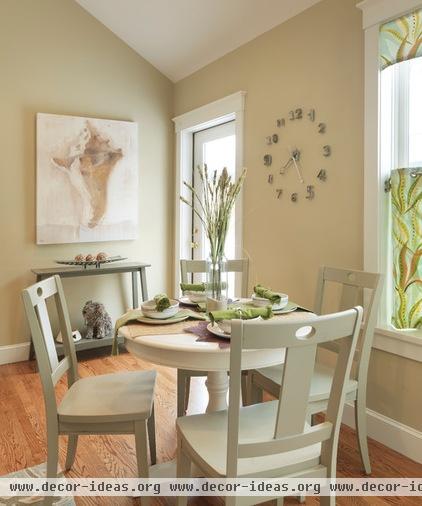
column 87, row 179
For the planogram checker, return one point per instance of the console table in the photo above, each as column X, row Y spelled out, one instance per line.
column 134, row 268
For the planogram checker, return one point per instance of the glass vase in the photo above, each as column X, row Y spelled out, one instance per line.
column 217, row 278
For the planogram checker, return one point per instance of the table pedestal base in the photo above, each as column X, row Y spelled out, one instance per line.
column 168, row 470
column 217, row 385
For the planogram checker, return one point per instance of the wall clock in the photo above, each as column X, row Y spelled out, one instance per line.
column 289, row 157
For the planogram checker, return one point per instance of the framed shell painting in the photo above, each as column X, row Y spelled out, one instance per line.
column 87, row 179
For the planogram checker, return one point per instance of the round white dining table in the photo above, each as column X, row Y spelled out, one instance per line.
column 172, row 346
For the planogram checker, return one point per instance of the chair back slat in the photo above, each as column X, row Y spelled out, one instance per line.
column 349, row 297
column 300, row 340
column 351, row 277
column 297, row 332
column 62, row 367
column 44, row 321
column 66, row 330
column 50, row 368
column 42, row 290
column 294, row 392
column 240, row 266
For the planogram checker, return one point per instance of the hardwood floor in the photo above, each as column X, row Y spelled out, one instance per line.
column 22, row 434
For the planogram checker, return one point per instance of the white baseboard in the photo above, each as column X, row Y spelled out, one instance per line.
column 395, row 435
column 14, row 353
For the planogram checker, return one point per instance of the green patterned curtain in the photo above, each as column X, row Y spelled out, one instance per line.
column 401, row 39
column 406, row 198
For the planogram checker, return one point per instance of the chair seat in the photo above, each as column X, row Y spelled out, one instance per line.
column 207, row 437
column 120, row 397
column 321, row 380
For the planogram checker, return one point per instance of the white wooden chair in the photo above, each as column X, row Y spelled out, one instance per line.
column 108, row 404
column 200, row 267
column 352, row 285
column 272, row 439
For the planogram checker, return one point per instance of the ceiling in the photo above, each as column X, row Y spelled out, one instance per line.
column 179, row 37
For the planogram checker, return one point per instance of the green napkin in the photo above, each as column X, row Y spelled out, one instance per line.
column 200, row 287
column 189, row 287
column 265, row 293
column 161, row 302
column 133, row 315
column 241, row 314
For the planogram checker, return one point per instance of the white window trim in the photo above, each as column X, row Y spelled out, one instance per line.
column 375, row 12
column 228, row 108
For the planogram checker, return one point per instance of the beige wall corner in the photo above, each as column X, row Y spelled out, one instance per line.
column 56, row 58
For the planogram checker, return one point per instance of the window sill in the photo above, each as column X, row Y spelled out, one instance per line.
column 405, row 343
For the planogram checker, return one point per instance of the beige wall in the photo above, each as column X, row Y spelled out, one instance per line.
column 56, row 58
column 312, row 60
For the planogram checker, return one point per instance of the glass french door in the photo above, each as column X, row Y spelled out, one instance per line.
column 215, row 147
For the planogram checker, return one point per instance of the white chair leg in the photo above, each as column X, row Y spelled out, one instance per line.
column 327, row 500
column 52, row 459
column 183, row 390
column 361, row 430
column 141, row 445
column 187, row 391
column 254, row 392
column 279, row 501
column 151, row 437
column 72, row 443
column 244, row 379
column 301, row 498
column 183, row 469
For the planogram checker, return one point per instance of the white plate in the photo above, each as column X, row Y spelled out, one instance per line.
column 288, row 309
column 155, row 321
column 186, row 300
column 215, row 329
column 218, row 331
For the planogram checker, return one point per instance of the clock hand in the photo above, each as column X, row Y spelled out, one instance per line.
column 299, row 174
column 295, row 155
column 285, row 166
column 289, row 161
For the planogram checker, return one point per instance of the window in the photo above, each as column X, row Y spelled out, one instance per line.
column 215, row 147
column 211, row 134
column 379, row 163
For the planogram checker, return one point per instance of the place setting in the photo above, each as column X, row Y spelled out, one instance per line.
column 263, row 305
column 194, row 295
column 161, row 310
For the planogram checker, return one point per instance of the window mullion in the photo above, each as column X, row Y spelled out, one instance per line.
column 401, row 134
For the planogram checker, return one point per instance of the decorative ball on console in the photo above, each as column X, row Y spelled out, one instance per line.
column 101, row 257
column 97, row 320
column 79, row 258
column 89, row 258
